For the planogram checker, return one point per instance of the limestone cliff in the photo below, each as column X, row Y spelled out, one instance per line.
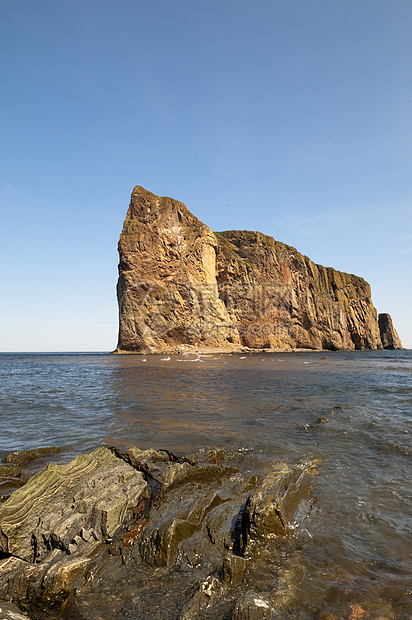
column 181, row 284
column 167, row 288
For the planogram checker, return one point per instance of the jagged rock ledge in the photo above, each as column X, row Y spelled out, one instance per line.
column 159, row 536
column 180, row 284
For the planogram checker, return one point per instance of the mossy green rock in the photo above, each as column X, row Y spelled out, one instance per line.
column 9, row 470
column 25, row 456
column 91, row 492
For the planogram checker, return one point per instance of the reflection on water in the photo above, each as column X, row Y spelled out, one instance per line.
column 351, row 411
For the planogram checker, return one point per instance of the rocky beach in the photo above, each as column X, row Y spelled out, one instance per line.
column 109, row 533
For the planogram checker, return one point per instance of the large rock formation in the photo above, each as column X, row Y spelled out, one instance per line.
column 389, row 335
column 181, row 284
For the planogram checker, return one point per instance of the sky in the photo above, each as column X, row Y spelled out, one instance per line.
column 291, row 117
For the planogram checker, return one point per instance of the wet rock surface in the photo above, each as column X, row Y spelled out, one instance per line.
column 252, row 606
column 272, row 506
column 10, row 611
column 148, row 535
column 18, row 467
column 25, row 456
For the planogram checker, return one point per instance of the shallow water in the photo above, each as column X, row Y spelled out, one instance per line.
column 351, row 411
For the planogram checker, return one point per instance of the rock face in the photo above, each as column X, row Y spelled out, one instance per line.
column 181, row 284
column 167, row 288
column 389, row 335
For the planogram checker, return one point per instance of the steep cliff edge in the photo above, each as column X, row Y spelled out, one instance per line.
column 167, row 288
column 181, row 284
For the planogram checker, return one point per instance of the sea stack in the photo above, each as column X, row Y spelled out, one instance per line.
column 389, row 335
column 182, row 285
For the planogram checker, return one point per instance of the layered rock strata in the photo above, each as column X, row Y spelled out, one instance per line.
column 20, row 466
column 181, row 284
column 146, row 534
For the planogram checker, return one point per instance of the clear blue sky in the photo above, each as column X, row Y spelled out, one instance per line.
column 292, row 117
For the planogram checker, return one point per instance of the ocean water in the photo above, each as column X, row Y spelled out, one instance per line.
column 350, row 413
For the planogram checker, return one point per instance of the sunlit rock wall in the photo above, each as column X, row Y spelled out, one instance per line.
column 180, row 285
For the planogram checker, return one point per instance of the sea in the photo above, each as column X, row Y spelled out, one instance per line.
column 350, row 413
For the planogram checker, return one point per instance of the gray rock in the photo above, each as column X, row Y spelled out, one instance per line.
column 9, row 611
column 220, row 525
column 168, row 528
column 92, row 491
column 160, row 547
column 18, row 577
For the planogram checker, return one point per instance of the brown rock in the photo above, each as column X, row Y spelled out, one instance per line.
column 272, row 507
column 25, row 456
column 389, row 335
column 9, row 611
column 233, row 569
column 167, row 288
column 181, row 285
column 9, row 470
column 280, row 298
column 252, row 606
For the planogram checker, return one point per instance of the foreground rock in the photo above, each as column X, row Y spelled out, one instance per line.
column 180, row 284
column 146, row 534
column 19, row 467
column 26, row 456
column 9, row 611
